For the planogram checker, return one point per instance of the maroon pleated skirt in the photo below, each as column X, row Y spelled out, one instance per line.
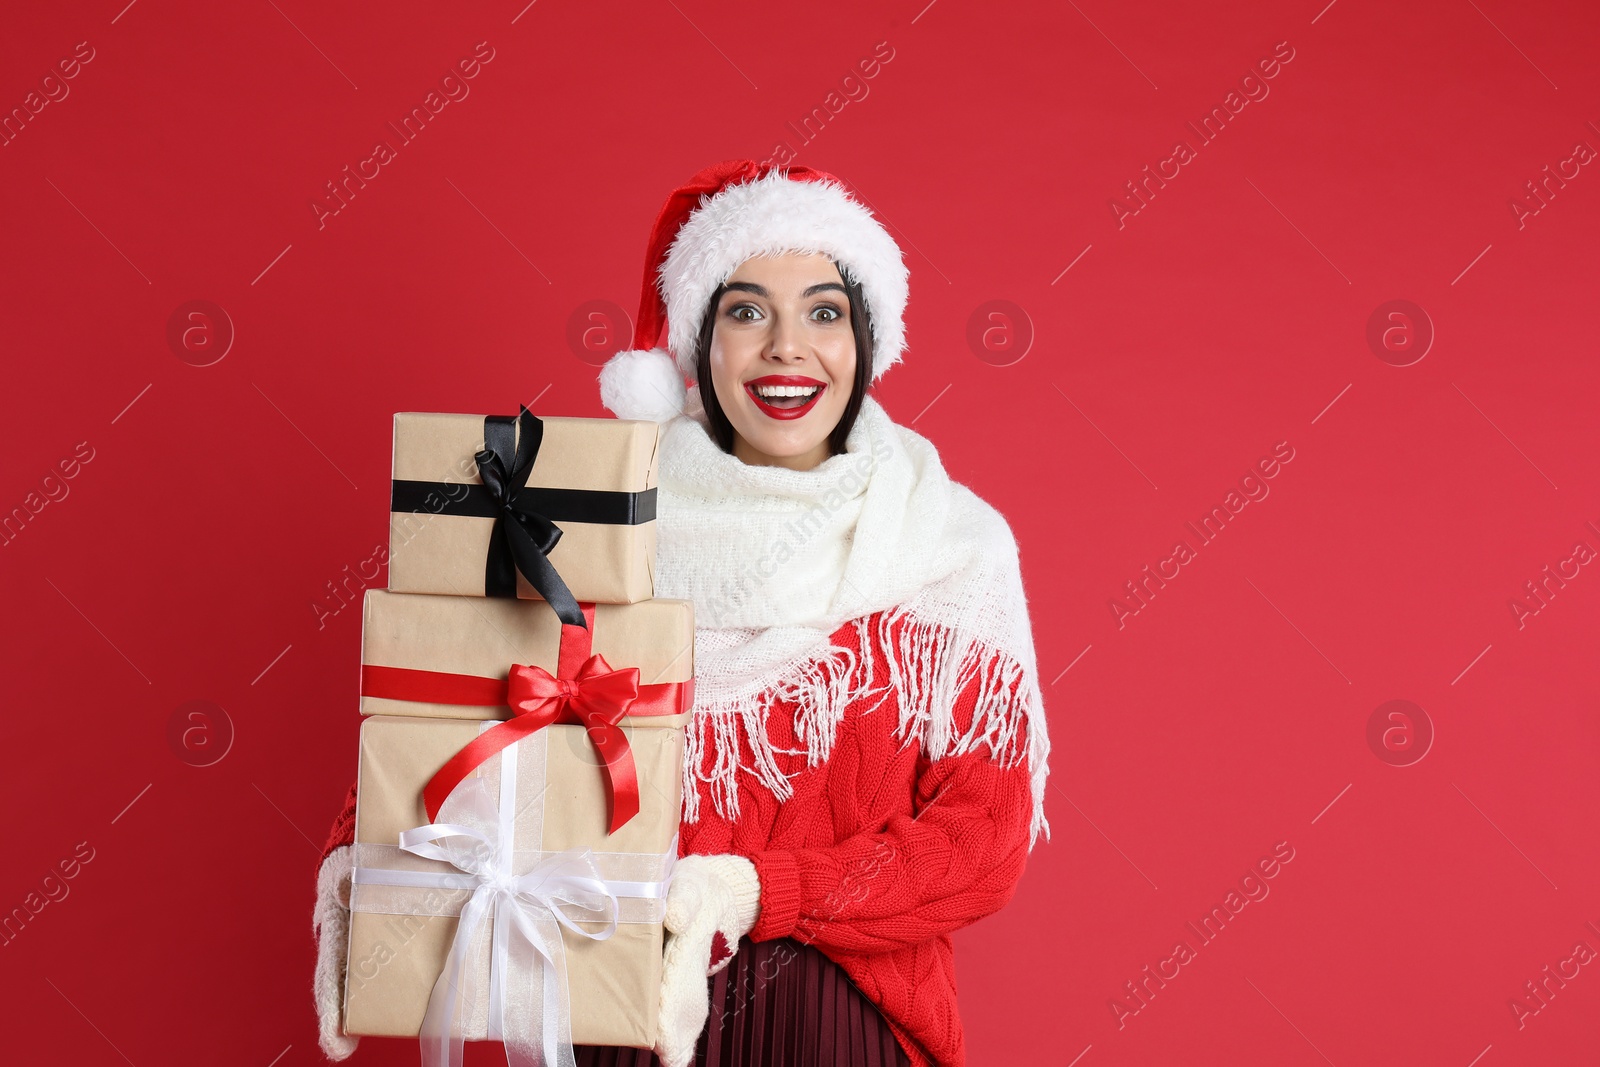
column 779, row 1003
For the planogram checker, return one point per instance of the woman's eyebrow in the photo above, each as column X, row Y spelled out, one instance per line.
column 822, row 287
column 761, row 290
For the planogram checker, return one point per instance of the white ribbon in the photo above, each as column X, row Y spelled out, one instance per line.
column 528, row 1006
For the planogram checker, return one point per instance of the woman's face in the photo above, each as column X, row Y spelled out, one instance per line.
column 783, row 327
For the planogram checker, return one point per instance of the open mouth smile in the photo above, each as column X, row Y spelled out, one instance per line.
column 784, row 396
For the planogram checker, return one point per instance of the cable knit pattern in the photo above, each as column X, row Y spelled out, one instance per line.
column 343, row 831
column 880, row 853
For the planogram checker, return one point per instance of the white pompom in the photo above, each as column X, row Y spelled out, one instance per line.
column 642, row 384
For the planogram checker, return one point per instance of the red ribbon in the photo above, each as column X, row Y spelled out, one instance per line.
column 584, row 691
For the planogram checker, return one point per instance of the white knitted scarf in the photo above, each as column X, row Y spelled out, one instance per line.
column 777, row 560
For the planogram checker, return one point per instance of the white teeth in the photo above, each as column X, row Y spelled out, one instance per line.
column 785, row 390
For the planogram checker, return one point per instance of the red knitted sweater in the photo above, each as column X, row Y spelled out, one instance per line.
column 877, row 856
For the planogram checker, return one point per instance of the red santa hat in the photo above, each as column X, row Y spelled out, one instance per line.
column 724, row 215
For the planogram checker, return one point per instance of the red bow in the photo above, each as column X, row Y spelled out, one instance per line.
column 596, row 698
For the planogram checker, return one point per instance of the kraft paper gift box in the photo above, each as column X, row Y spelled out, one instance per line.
column 587, row 483
column 401, row 937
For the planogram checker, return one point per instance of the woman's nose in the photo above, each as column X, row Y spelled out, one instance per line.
column 786, row 344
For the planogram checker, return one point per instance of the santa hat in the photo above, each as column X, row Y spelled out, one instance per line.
column 721, row 217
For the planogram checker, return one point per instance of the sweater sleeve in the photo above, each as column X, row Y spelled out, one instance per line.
column 955, row 859
column 343, row 830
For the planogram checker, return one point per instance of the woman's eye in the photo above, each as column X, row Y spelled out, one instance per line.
column 832, row 312
column 734, row 311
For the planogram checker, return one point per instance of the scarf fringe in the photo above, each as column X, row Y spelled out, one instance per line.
column 821, row 687
column 931, row 665
column 925, row 667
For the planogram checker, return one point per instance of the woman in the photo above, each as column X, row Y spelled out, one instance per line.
column 865, row 768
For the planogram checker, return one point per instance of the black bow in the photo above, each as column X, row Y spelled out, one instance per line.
column 522, row 537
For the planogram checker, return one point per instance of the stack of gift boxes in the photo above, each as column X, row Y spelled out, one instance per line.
column 524, row 698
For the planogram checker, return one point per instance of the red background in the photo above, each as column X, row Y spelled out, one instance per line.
column 1227, row 315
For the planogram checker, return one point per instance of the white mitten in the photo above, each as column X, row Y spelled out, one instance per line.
column 330, row 925
column 707, row 895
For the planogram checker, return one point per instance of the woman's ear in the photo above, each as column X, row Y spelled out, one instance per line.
column 642, row 384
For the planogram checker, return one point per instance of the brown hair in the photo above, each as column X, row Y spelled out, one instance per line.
column 861, row 327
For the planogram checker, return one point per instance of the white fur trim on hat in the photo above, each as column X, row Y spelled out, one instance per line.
column 642, row 384
column 772, row 215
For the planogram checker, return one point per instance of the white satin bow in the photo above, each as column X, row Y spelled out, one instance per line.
column 536, row 1031
column 528, row 1007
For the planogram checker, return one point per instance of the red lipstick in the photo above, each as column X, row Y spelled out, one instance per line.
column 774, row 412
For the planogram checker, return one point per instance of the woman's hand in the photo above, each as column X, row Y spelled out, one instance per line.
column 709, row 897
column 330, row 925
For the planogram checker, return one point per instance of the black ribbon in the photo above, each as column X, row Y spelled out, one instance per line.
column 525, row 527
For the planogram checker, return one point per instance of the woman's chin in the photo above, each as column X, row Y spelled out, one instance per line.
column 781, row 444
